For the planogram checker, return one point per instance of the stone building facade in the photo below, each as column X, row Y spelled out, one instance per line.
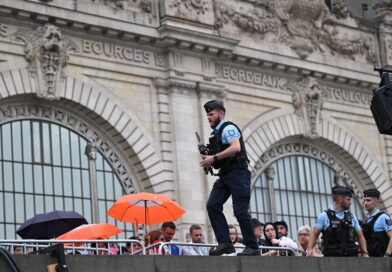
column 131, row 76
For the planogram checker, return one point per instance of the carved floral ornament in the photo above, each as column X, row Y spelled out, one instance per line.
column 47, row 52
column 308, row 101
column 306, row 26
column 145, row 5
column 289, row 149
column 198, row 6
column 95, row 141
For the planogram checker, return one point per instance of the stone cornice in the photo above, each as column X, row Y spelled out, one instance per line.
column 224, row 49
column 181, row 86
column 208, row 90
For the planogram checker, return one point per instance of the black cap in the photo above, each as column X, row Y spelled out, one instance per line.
column 256, row 222
column 371, row 193
column 341, row 190
column 214, row 104
column 281, row 222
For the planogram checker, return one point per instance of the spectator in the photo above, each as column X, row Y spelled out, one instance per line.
column 303, row 242
column 196, row 233
column 100, row 249
column 273, row 240
column 234, row 238
column 113, row 249
column 258, row 229
column 270, row 234
column 282, row 228
column 17, row 250
column 154, row 237
column 132, row 247
column 168, row 230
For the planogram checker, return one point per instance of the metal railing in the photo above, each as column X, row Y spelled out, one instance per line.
column 102, row 247
column 164, row 248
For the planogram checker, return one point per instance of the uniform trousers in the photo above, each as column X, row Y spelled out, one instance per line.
column 237, row 184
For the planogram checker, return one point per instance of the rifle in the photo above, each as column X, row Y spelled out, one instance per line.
column 203, row 150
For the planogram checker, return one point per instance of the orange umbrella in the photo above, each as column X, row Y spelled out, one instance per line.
column 145, row 208
column 91, row 232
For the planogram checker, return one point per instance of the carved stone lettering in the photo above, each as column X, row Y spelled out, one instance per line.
column 346, row 95
column 250, row 77
column 117, row 52
column 4, row 30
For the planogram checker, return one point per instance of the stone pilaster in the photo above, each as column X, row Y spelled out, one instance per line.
column 383, row 20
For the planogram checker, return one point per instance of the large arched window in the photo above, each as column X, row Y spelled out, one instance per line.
column 43, row 167
column 296, row 189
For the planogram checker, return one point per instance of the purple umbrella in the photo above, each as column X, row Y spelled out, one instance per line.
column 50, row 225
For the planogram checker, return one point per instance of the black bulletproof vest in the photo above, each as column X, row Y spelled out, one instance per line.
column 377, row 242
column 237, row 161
column 339, row 238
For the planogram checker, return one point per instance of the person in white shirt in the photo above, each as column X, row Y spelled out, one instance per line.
column 196, row 233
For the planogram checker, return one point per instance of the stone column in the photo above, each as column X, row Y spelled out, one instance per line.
column 270, row 174
column 91, row 153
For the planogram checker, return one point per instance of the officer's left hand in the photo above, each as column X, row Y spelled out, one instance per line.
column 207, row 161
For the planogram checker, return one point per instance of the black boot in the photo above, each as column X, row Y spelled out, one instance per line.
column 249, row 252
column 222, row 249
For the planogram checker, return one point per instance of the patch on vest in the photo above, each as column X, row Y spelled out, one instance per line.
column 231, row 132
column 388, row 222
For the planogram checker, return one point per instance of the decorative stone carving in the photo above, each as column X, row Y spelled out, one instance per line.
column 382, row 5
column 305, row 26
column 114, row 3
column 200, row 11
column 145, row 5
column 199, row 6
column 342, row 174
column 339, row 8
column 47, row 51
column 55, row 115
column 308, row 103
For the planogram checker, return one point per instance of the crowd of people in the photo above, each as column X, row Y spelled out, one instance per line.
column 342, row 234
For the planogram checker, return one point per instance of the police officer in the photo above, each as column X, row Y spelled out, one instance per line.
column 377, row 229
column 228, row 154
column 340, row 228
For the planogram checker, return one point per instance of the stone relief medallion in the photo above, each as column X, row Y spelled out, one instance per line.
column 196, row 10
column 47, row 52
column 306, row 26
column 308, row 99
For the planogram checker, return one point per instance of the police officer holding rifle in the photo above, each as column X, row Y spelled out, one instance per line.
column 227, row 154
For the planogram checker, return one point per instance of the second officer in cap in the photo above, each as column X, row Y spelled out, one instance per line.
column 377, row 229
column 227, row 153
column 340, row 228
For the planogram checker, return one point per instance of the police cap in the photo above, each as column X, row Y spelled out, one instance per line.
column 214, row 104
column 341, row 190
column 371, row 193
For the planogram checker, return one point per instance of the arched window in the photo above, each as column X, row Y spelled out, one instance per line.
column 43, row 167
column 296, row 189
